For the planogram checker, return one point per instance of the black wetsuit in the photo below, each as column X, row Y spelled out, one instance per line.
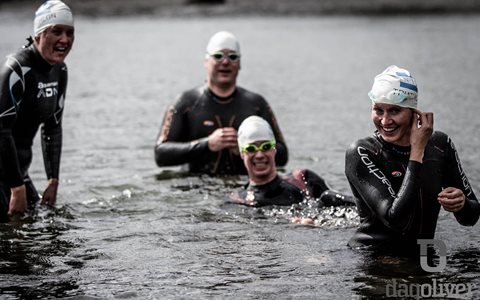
column 195, row 115
column 32, row 93
column 397, row 198
column 291, row 188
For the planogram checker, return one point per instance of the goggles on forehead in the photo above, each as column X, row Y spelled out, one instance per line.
column 252, row 148
column 219, row 56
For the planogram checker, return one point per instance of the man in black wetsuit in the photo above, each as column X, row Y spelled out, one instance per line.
column 405, row 172
column 33, row 84
column 257, row 146
column 200, row 129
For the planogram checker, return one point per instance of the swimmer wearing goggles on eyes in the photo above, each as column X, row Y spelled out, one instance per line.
column 199, row 131
column 265, row 186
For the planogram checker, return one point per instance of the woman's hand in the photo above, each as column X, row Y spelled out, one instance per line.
column 451, row 199
column 421, row 131
column 49, row 196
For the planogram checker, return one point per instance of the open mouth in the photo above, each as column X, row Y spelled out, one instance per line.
column 224, row 72
column 62, row 50
column 260, row 164
column 389, row 130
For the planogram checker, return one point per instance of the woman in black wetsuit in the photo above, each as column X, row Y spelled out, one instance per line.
column 405, row 172
column 257, row 146
column 33, row 83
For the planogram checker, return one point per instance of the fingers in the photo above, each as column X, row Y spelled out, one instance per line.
column 452, row 206
column 429, row 117
column 424, row 119
column 451, row 199
column 449, row 191
column 228, row 136
column 222, row 138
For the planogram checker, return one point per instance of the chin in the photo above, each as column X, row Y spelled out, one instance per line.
column 262, row 173
column 389, row 139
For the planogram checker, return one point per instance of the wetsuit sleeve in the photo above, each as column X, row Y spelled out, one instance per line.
column 170, row 148
column 456, row 177
column 316, row 185
column 52, row 132
column 281, row 158
column 11, row 93
column 369, row 183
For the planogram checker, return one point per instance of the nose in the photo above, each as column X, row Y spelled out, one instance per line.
column 259, row 154
column 385, row 119
column 225, row 61
column 65, row 37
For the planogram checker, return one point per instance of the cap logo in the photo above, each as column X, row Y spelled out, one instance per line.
column 408, row 86
column 52, row 12
column 48, row 17
column 395, row 86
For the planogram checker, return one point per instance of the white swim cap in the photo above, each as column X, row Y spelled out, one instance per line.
column 52, row 12
column 254, row 129
column 223, row 40
column 395, row 86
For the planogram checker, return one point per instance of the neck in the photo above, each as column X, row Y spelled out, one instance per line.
column 222, row 91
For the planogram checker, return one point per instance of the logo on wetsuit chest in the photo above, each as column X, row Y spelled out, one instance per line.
column 372, row 169
column 397, row 174
column 208, row 123
column 47, row 90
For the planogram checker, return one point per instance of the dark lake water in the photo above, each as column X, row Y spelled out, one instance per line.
column 124, row 228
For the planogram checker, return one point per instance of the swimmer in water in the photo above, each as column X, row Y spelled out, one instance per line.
column 199, row 130
column 405, row 172
column 257, row 146
column 33, row 84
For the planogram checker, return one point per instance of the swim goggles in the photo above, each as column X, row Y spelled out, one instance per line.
column 252, row 148
column 219, row 56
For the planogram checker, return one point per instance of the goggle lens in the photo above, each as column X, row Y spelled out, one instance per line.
column 219, row 56
column 252, row 148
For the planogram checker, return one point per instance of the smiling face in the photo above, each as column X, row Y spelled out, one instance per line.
column 393, row 122
column 260, row 165
column 55, row 43
column 223, row 73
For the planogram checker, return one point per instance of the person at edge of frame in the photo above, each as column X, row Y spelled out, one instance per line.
column 32, row 93
column 405, row 172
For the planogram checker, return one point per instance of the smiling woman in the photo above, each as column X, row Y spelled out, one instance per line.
column 55, row 43
column 54, row 32
column 33, row 85
column 393, row 122
column 405, row 172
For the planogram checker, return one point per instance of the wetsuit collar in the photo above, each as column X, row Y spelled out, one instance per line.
column 401, row 150
column 219, row 99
